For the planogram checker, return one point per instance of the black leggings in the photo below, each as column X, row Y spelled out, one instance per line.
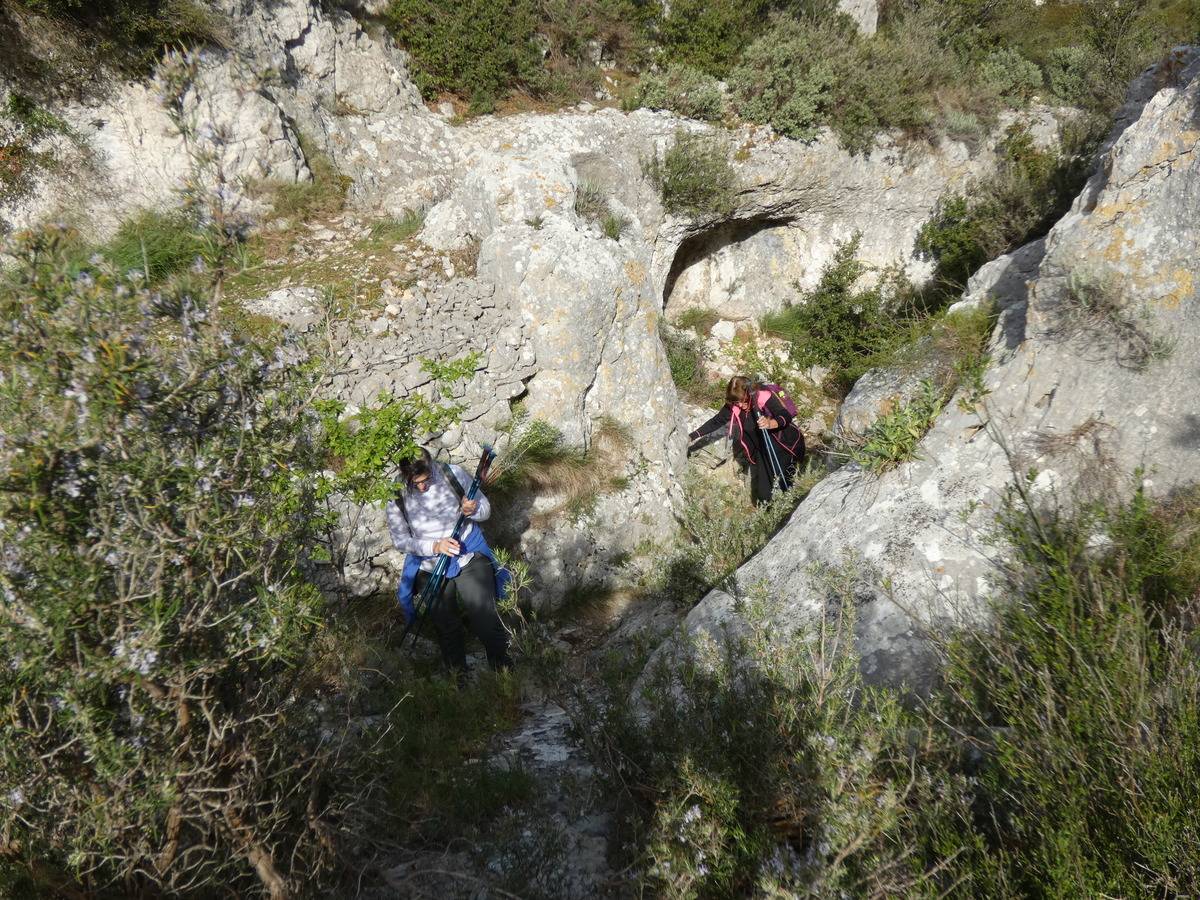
column 762, row 480
column 472, row 592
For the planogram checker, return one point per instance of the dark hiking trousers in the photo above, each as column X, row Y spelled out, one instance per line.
column 762, row 480
column 471, row 593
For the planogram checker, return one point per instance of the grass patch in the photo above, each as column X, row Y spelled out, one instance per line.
column 699, row 319
column 158, row 244
column 1097, row 309
column 389, row 231
column 439, row 756
column 537, row 461
column 685, row 358
column 613, row 225
column 694, row 176
column 590, row 203
column 322, row 196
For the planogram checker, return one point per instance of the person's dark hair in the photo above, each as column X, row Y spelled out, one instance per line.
column 738, row 389
column 415, row 468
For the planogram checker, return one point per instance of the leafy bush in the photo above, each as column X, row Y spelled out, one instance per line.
column 478, row 49
column 680, row 89
column 694, row 177
column 1082, row 704
column 893, row 437
column 156, row 518
column 710, row 35
column 785, row 78
column 839, row 326
column 1070, row 73
column 24, row 124
column 1031, row 190
column 1012, row 75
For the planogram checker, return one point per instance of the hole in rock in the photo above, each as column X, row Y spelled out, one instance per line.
column 739, row 269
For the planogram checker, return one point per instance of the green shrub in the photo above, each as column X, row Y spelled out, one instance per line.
column 694, row 177
column 1028, row 194
column 1082, row 705
column 680, row 89
column 23, row 125
column 156, row 521
column 478, row 49
column 1013, row 76
column 893, row 437
column 1070, row 73
column 839, row 326
column 786, row 79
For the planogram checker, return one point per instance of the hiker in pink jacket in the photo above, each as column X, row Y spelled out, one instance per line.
column 751, row 412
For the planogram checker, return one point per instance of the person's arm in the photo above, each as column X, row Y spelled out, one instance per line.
column 720, row 419
column 777, row 411
column 483, row 508
column 402, row 537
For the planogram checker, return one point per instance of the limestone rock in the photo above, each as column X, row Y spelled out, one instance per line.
column 297, row 307
column 865, row 13
column 1069, row 403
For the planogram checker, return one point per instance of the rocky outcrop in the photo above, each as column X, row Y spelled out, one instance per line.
column 573, row 314
column 1074, row 397
column 865, row 13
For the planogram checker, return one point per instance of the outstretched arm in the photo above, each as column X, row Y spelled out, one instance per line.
column 719, row 420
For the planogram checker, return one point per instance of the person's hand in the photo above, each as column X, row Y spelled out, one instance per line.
column 767, row 424
column 449, row 546
column 469, row 506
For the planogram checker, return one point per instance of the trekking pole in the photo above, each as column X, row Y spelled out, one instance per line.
column 433, row 587
column 772, row 455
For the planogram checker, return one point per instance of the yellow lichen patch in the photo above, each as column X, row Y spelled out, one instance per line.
column 1117, row 208
column 550, row 202
column 635, row 271
column 1185, row 287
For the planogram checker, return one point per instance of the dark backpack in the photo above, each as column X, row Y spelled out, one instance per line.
column 450, row 477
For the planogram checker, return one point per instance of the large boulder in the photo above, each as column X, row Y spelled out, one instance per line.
column 1088, row 400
